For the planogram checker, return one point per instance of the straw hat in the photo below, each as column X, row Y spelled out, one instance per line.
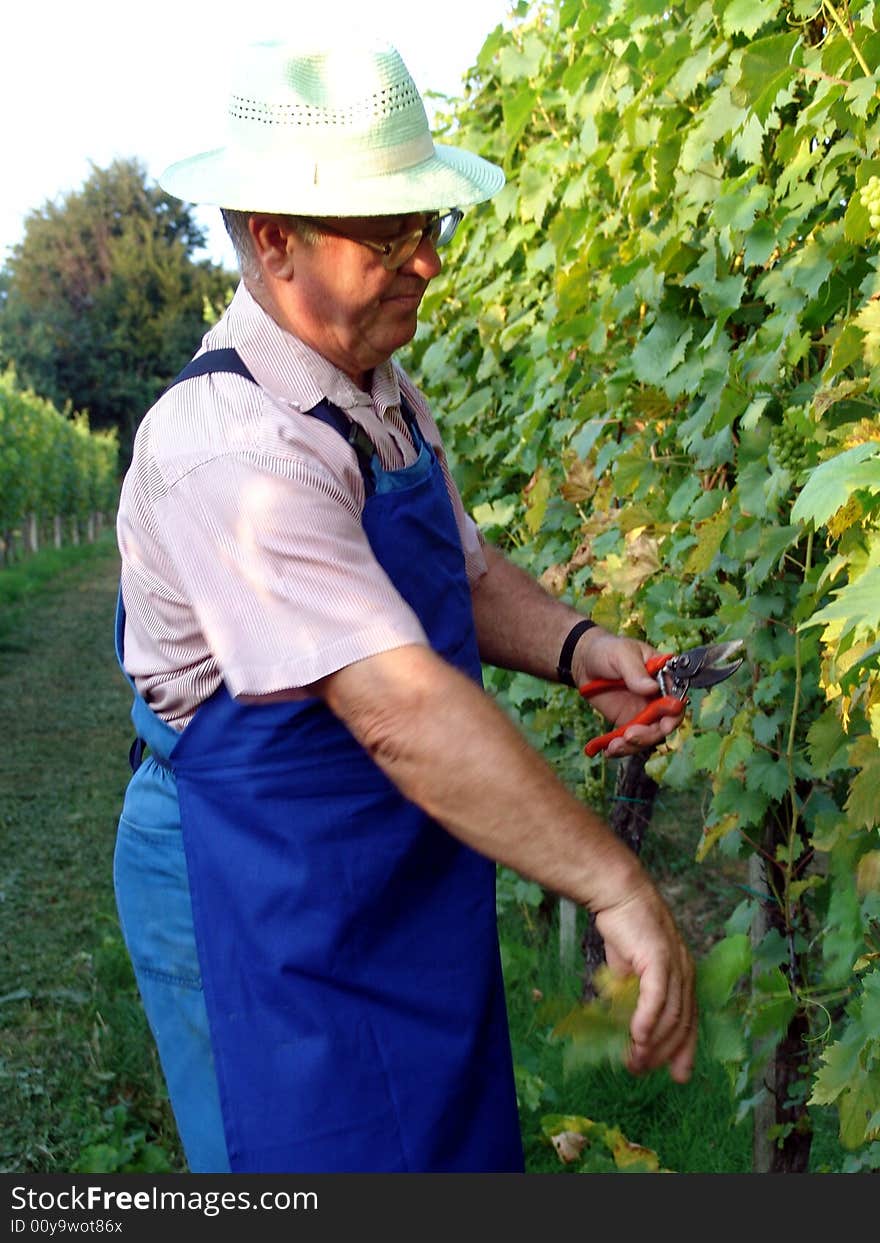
column 329, row 129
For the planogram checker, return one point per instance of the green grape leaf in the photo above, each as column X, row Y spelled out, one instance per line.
column 856, row 604
column 765, row 71
column 828, row 744
column 746, row 17
column 720, row 971
column 774, row 540
column 765, row 727
column 773, row 1006
column 517, row 109
column 772, row 952
column 839, row 1070
column 766, row 773
column 661, row 349
column 725, row 1037
column 707, row 749
column 831, row 484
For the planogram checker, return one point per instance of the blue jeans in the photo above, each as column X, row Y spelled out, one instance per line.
column 153, row 899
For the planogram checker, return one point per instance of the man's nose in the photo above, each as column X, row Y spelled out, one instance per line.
column 424, row 261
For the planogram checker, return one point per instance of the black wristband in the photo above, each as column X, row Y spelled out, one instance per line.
column 563, row 669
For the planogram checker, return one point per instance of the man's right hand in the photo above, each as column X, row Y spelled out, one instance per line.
column 641, row 939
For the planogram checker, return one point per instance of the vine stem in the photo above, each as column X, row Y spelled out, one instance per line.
column 789, row 751
column 842, row 27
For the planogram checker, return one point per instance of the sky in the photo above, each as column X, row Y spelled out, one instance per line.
column 104, row 79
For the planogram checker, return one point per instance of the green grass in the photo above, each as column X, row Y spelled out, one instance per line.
column 79, row 1082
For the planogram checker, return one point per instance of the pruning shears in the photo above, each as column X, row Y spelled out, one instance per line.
column 676, row 675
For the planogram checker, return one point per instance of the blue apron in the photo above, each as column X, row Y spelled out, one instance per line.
column 346, row 942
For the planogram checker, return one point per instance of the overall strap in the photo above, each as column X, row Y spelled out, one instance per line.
column 214, row 360
column 355, row 435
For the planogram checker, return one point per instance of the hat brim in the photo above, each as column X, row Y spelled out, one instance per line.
column 247, row 182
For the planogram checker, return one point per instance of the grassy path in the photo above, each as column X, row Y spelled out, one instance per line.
column 79, row 1087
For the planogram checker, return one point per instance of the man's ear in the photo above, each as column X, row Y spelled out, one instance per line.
column 273, row 245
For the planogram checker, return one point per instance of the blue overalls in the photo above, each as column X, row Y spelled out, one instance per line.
column 351, row 1016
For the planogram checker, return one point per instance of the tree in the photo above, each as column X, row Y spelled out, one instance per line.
column 102, row 302
column 657, row 358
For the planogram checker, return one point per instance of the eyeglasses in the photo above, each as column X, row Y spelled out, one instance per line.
column 395, row 251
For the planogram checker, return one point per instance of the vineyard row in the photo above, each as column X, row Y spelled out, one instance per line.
column 58, row 479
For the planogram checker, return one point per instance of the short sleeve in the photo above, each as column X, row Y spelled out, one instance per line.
column 279, row 572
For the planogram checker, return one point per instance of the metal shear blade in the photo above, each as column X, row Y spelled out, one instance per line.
column 700, row 667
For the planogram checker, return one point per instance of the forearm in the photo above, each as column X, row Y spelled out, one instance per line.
column 449, row 749
column 519, row 624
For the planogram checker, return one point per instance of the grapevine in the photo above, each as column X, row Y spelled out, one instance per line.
column 674, row 327
column 52, row 467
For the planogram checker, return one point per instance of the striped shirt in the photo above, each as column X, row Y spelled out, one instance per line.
column 244, row 560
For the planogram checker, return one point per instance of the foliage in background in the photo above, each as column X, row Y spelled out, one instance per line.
column 51, row 465
column 656, row 359
column 102, row 302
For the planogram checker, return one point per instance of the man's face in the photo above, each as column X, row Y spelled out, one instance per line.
column 346, row 305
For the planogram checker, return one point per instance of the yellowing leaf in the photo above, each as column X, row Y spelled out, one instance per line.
column 621, row 992
column 709, row 538
column 572, row 1135
column 858, row 1108
column 612, row 611
column 863, row 806
column 580, row 482
column 554, row 578
column 848, row 515
column 713, row 833
column 626, row 574
column 868, row 319
column 827, row 397
column 537, row 493
column 866, row 961
column 868, row 873
column 599, row 1030
column 633, row 1158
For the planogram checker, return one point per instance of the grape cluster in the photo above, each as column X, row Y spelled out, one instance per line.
column 705, row 599
column 870, row 193
column 593, row 790
column 689, row 634
column 696, row 605
column 788, row 446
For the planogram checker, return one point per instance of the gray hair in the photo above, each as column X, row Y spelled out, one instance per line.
column 237, row 226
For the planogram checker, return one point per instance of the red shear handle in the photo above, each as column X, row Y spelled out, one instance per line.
column 598, row 685
column 666, row 705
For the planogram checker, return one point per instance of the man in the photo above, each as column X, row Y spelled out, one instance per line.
column 305, row 861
